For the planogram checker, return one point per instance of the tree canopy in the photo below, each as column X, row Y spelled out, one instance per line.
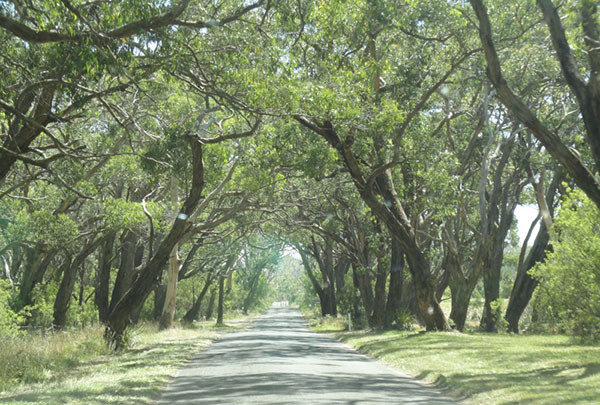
column 159, row 158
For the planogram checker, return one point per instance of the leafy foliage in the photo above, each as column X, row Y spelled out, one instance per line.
column 9, row 320
column 570, row 277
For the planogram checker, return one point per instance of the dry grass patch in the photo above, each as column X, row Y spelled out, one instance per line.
column 75, row 367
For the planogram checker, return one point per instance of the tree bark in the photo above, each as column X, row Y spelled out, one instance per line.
column 126, row 272
column 211, row 305
column 324, row 300
column 341, row 268
column 324, row 256
column 101, row 292
column 394, row 298
column 159, row 301
column 249, row 300
column 378, row 314
column 362, row 282
column 221, row 301
column 462, row 284
column 461, row 296
column 168, row 313
column 491, row 287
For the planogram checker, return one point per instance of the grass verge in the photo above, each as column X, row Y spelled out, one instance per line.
column 326, row 324
column 491, row 369
column 75, row 368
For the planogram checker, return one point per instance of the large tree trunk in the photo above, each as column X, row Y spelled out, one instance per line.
column 168, row 312
column 63, row 296
column 211, row 304
column 221, row 301
column 394, row 217
column 491, row 289
column 525, row 285
column 249, row 300
column 331, row 299
column 126, row 272
column 394, row 299
column 159, row 301
column 341, row 268
column 362, row 282
column 378, row 314
column 461, row 285
column 103, row 277
column 324, row 257
column 193, row 314
column 461, row 296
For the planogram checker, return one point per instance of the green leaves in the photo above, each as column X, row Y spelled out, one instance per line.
column 120, row 214
column 570, row 276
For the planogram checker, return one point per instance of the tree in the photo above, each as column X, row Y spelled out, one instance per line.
column 584, row 87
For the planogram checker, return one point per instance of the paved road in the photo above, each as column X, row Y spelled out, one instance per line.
column 279, row 361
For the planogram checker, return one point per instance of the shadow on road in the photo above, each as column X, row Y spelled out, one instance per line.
column 280, row 361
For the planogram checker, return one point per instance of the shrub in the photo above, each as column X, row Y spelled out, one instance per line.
column 40, row 313
column 9, row 320
column 570, row 277
column 498, row 309
column 402, row 319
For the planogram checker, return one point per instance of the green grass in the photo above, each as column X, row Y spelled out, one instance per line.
column 489, row 368
column 75, row 368
column 326, row 324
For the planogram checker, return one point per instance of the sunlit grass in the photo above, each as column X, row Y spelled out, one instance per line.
column 327, row 324
column 75, row 367
column 490, row 368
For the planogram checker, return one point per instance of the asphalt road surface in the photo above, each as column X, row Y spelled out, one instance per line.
column 279, row 361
